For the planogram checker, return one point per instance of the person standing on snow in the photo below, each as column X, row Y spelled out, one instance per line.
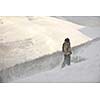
column 66, row 49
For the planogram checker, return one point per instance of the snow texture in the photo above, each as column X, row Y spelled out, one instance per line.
column 30, row 49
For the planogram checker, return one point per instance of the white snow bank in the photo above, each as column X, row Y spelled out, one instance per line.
column 26, row 38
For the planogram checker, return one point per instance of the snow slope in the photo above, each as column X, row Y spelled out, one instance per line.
column 26, row 38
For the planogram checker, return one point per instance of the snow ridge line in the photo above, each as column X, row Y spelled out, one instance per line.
column 86, row 44
column 31, row 67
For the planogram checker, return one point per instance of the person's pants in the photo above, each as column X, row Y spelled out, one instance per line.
column 66, row 60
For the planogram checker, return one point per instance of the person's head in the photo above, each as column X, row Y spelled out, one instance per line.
column 67, row 40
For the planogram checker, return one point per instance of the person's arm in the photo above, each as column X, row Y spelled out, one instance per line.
column 63, row 48
column 69, row 50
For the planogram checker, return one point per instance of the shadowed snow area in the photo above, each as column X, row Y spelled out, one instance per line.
column 28, row 68
column 89, row 21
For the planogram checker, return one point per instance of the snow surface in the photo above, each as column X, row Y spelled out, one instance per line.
column 26, row 38
column 26, row 65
